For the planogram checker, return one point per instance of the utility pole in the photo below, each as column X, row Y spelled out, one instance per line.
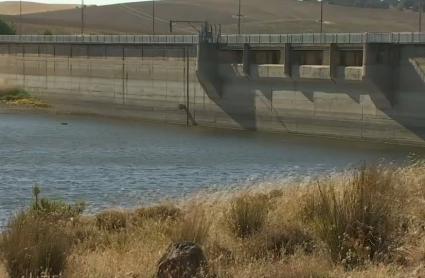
column 153, row 17
column 420, row 15
column 82, row 17
column 20, row 17
column 239, row 17
column 321, row 16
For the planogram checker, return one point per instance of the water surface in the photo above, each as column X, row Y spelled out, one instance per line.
column 110, row 163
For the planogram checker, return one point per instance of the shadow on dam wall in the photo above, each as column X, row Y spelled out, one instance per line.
column 409, row 98
column 330, row 107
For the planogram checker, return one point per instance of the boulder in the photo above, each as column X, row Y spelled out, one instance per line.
column 182, row 260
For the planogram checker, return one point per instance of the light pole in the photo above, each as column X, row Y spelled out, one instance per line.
column 82, row 17
column 153, row 17
column 321, row 16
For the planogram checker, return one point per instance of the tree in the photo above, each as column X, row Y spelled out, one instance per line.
column 6, row 29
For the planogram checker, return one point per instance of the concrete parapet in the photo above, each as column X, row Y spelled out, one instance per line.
column 268, row 71
column 231, row 71
column 349, row 73
column 311, row 72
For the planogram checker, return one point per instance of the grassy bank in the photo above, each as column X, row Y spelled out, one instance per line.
column 14, row 96
column 368, row 222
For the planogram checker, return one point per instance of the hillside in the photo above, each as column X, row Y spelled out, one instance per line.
column 277, row 16
column 12, row 7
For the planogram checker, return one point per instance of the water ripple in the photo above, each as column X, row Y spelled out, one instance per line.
column 117, row 163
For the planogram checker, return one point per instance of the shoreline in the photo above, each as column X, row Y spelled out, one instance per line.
column 102, row 110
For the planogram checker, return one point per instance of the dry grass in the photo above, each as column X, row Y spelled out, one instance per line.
column 295, row 231
column 160, row 212
column 193, row 227
column 12, row 7
column 273, row 16
column 3, row 271
column 112, row 220
column 34, row 245
column 357, row 220
column 247, row 214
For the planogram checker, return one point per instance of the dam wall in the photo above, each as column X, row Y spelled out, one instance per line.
column 145, row 81
column 354, row 86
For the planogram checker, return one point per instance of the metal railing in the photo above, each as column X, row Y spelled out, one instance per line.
column 304, row 38
column 324, row 38
column 102, row 39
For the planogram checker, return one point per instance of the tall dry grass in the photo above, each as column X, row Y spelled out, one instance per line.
column 3, row 271
column 247, row 214
column 357, row 220
column 367, row 222
column 194, row 226
column 37, row 241
column 34, row 247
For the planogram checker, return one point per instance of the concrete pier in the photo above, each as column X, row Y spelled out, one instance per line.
column 364, row 86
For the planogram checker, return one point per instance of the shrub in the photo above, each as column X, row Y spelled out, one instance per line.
column 194, row 227
column 13, row 94
column 55, row 210
column 218, row 255
column 85, row 233
column 36, row 242
column 161, row 213
column 279, row 240
column 247, row 215
column 356, row 223
column 20, row 97
column 58, row 210
column 33, row 246
column 111, row 220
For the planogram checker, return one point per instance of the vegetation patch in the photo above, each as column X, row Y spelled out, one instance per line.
column 6, row 28
column 20, row 97
column 159, row 213
column 193, row 227
column 34, row 246
column 247, row 215
column 357, row 221
column 37, row 241
column 112, row 220
column 366, row 222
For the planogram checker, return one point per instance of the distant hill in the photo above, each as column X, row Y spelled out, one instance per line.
column 378, row 4
column 384, row 4
column 12, row 7
column 269, row 16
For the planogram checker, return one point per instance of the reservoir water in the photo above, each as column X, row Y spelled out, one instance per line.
column 116, row 163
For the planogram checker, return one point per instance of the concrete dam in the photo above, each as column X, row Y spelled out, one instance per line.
column 355, row 85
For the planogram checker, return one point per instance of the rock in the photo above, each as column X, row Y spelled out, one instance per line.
column 182, row 260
